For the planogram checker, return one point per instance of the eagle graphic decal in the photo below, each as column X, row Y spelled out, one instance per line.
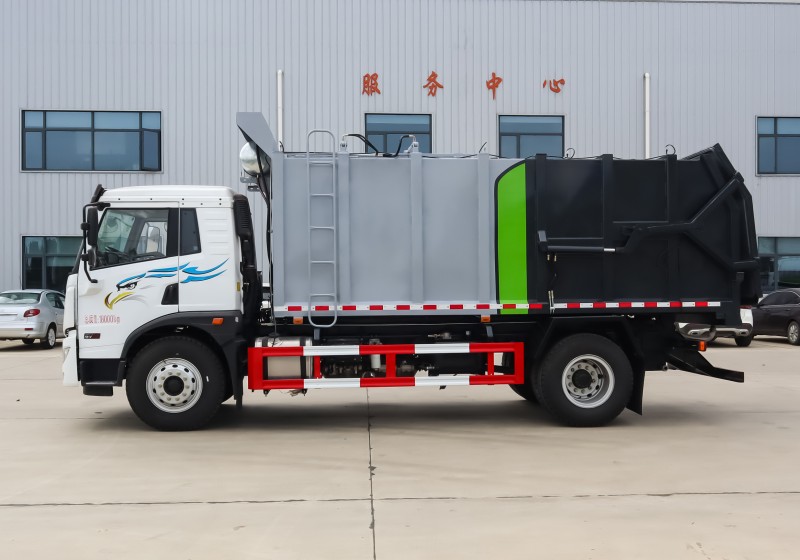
column 131, row 287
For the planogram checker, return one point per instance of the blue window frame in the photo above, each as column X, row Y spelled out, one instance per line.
column 91, row 141
column 778, row 145
column 524, row 136
column 385, row 131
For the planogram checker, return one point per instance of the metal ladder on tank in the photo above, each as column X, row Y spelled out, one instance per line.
column 324, row 265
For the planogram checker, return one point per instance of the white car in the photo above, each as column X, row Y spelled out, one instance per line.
column 28, row 315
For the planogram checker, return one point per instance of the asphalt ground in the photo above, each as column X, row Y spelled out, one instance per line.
column 709, row 471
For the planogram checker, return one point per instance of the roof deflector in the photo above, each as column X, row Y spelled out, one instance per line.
column 254, row 127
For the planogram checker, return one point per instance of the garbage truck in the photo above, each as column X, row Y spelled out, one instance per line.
column 565, row 279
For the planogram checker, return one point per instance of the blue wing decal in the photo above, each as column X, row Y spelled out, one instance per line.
column 194, row 272
column 201, row 278
column 169, row 269
column 126, row 280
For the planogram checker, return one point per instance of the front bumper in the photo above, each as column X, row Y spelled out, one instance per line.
column 20, row 329
column 69, row 367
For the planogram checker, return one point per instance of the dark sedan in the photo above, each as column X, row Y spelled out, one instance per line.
column 778, row 314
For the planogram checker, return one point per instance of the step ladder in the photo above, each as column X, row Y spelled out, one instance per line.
column 322, row 267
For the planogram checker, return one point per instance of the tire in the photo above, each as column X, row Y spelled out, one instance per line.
column 175, row 383
column 49, row 340
column 601, row 392
column 793, row 333
column 27, row 341
column 525, row 391
column 743, row 341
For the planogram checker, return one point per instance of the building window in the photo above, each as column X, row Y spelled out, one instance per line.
column 778, row 145
column 385, row 131
column 47, row 261
column 525, row 136
column 779, row 258
column 91, row 141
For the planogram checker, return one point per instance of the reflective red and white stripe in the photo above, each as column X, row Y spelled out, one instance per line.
column 498, row 306
column 636, row 304
column 414, row 307
column 371, row 349
column 367, row 382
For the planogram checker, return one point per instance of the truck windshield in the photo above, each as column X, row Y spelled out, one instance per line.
column 132, row 235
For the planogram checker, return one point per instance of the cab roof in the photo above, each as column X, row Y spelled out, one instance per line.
column 186, row 195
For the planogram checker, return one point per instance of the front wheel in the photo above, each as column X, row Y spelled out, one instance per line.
column 584, row 380
column 793, row 333
column 175, row 384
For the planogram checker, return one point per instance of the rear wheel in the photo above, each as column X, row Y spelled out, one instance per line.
column 793, row 333
column 584, row 380
column 525, row 391
column 49, row 340
column 175, row 383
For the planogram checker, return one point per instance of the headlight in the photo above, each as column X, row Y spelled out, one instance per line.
column 249, row 160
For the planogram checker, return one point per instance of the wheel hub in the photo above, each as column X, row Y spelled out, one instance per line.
column 588, row 381
column 174, row 385
column 582, row 379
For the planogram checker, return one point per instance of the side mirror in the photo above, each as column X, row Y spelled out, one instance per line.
column 92, row 226
column 153, row 239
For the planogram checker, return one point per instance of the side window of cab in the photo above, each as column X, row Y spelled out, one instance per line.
column 130, row 235
column 190, row 232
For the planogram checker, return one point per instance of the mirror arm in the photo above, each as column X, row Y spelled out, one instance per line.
column 89, row 253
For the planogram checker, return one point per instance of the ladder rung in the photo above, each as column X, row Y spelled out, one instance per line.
column 322, row 227
column 323, row 295
column 320, row 162
column 322, row 194
column 323, row 262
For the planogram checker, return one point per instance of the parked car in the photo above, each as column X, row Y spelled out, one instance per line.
column 778, row 314
column 28, row 315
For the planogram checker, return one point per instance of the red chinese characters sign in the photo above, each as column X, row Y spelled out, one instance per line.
column 369, row 84
column 555, row 85
column 432, row 85
column 493, row 83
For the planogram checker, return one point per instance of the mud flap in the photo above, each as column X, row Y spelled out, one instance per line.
column 637, row 394
column 690, row 360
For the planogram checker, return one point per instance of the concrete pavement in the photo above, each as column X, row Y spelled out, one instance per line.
column 468, row 472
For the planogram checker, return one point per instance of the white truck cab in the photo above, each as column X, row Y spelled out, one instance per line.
column 165, row 260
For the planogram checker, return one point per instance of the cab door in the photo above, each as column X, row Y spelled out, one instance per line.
column 134, row 278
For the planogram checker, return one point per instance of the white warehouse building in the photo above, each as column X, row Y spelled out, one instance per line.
column 141, row 92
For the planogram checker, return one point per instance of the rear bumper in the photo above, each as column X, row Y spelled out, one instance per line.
column 694, row 331
column 20, row 330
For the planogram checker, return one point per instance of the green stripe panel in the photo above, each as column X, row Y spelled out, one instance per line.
column 512, row 263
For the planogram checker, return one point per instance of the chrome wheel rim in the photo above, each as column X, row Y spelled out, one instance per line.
column 174, row 385
column 588, row 381
column 51, row 337
column 794, row 332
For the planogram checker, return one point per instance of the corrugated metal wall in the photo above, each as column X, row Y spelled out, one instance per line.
column 714, row 68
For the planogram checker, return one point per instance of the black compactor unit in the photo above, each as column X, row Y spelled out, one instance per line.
column 606, row 229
